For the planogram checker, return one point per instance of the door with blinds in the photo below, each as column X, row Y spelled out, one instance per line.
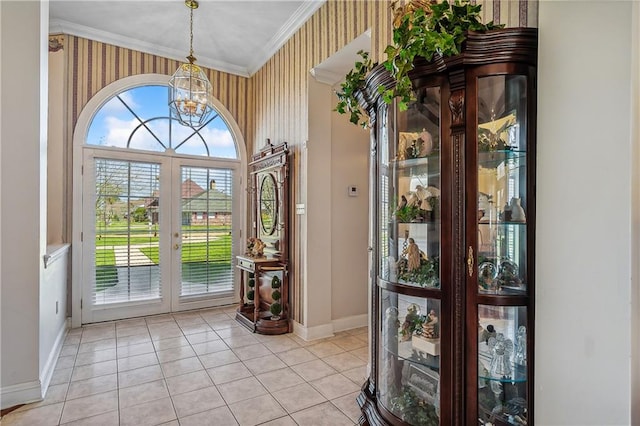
column 157, row 234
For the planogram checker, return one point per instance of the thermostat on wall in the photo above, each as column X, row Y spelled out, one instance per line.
column 353, row 191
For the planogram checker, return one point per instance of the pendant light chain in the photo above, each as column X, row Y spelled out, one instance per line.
column 191, row 57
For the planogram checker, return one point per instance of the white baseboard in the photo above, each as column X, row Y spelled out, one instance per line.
column 328, row 330
column 52, row 359
column 349, row 323
column 312, row 333
column 22, row 393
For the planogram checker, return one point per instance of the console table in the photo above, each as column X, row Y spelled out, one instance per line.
column 256, row 316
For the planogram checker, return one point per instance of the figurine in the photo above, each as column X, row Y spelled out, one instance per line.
column 413, row 255
column 501, row 350
column 521, row 346
column 410, row 321
column 255, row 247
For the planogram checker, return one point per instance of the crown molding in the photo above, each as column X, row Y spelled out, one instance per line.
column 326, row 77
column 61, row 26
column 293, row 24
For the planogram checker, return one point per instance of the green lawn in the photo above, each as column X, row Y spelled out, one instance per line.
column 219, row 250
column 106, row 257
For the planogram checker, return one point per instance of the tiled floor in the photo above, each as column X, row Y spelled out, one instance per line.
column 200, row 368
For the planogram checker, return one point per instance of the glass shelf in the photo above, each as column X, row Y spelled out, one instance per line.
column 406, row 352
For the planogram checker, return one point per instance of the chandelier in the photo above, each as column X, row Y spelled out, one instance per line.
column 190, row 90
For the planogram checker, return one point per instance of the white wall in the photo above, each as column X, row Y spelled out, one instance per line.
column 350, row 220
column 23, row 50
column 582, row 365
column 317, row 288
column 635, row 250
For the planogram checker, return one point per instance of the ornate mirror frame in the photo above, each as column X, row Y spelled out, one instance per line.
column 269, row 171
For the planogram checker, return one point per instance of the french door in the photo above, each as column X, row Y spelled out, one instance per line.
column 159, row 233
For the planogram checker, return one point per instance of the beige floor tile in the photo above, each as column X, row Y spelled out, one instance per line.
column 139, row 394
column 280, row 379
column 61, row 375
column 334, row 386
column 133, row 322
column 68, row 350
column 202, row 337
column 322, row 415
column 175, row 353
column 181, row 366
column 94, row 370
column 164, row 331
column 149, row 413
column 357, row 375
column 188, row 382
column 93, row 357
column 139, row 376
column 110, row 418
column 264, row 364
column 136, row 349
column 282, row 343
column 72, row 339
column 157, row 319
column 217, row 417
column 92, row 386
column 282, row 421
column 253, row 351
column 217, row 359
column 228, row 373
column 240, row 390
column 349, row 342
column 89, row 406
column 362, row 353
column 240, row 341
column 195, row 328
column 92, row 335
column 197, row 401
column 131, row 331
column 343, row 361
column 324, row 349
column 233, row 331
column 221, row 325
column 299, row 397
column 169, row 343
column 296, row 356
column 137, row 361
column 257, row 410
column 41, row 416
column 313, row 370
column 135, row 339
column 99, row 345
column 210, row 347
column 66, row 361
column 348, row 405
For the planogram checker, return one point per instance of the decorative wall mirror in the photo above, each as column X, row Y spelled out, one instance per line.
column 269, row 170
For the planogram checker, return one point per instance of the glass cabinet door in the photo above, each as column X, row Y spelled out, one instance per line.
column 409, row 247
column 409, row 358
column 502, row 258
column 502, row 187
column 409, row 195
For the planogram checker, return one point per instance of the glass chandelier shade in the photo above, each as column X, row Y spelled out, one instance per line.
column 190, row 96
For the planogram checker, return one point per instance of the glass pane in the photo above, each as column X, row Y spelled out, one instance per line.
column 206, row 206
column 409, row 370
column 127, row 228
column 139, row 118
column 410, row 195
column 502, row 186
column 502, row 365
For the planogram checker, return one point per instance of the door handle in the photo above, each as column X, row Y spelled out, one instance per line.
column 470, row 261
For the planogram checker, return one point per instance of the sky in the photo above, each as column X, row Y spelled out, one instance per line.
column 114, row 124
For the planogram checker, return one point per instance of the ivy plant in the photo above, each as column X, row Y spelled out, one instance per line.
column 353, row 82
column 422, row 28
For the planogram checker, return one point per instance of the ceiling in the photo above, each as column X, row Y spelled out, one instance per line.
column 235, row 36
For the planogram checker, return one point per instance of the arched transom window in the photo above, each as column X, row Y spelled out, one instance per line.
column 138, row 118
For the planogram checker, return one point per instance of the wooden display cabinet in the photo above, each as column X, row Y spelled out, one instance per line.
column 452, row 229
column 269, row 171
